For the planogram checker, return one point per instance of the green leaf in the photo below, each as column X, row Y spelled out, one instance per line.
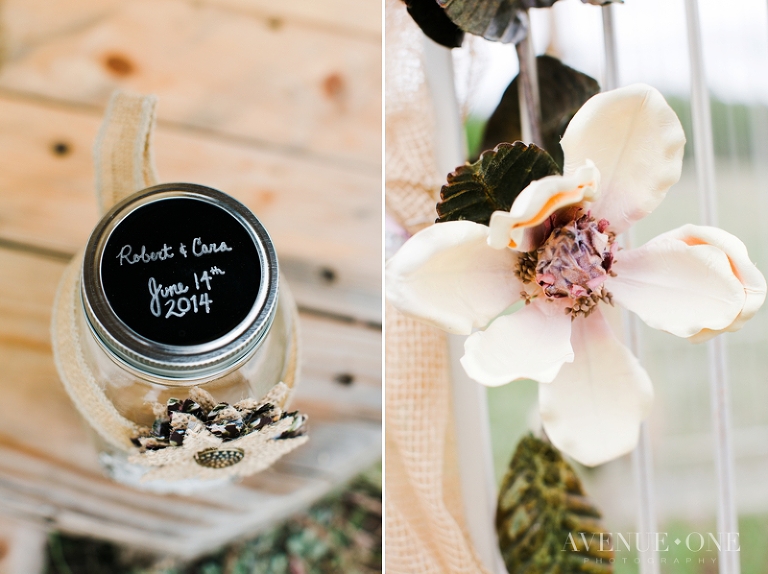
column 474, row 191
column 542, row 513
column 563, row 91
column 498, row 20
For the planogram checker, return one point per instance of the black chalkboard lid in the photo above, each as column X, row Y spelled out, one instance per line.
column 176, row 364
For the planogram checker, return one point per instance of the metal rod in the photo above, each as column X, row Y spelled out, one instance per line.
column 642, row 464
column 727, row 518
column 703, row 146
column 611, row 80
column 528, row 90
column 642, row 461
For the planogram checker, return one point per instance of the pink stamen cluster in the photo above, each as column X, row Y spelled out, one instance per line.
column 575, row 259
column 573, row 263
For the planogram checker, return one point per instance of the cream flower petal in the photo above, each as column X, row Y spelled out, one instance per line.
column 741, row 265
column 532, row 343
column 677, row 287
column 636, row 141
column 447, row 276
column 537, row 202
column 593, row 409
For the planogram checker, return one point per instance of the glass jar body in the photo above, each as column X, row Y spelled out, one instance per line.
column 133, row 396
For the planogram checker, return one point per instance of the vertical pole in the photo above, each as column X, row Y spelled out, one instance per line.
column 727, row 519
column 473, row 442
column 611, row 80
column 647, row 522
column 642, row 460
column 528, row 91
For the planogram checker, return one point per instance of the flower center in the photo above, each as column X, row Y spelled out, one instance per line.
column 572, row 263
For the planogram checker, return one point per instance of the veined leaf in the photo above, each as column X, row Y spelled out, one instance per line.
column 435, row 23
column 563, row 91
column 545, row 522
column 474, row 191
column 498, row 20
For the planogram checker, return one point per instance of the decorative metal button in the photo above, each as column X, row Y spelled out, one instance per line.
column 219, row 457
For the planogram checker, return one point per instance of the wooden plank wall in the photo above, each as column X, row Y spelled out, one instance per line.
column 276, row 103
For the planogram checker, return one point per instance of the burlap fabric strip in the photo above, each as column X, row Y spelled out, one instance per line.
column 425, row 526
column 125, row 164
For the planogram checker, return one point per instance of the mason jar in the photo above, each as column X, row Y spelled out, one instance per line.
column 180, row 289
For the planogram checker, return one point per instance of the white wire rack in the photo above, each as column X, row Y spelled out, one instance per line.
column 474, row 449
column 704, row 154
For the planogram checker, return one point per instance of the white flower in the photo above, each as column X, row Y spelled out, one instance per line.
column 555, row 249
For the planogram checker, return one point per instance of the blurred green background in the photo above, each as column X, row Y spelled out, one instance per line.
column 341, row 533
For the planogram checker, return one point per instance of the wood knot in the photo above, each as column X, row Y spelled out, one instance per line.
column 334, row 85
column 61, row 148
column 344, row 379
column 327, row 274
column 119, row 65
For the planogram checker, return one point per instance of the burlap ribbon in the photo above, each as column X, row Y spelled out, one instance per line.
column 122, row 153
column 425, row 527
column 124, row 164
